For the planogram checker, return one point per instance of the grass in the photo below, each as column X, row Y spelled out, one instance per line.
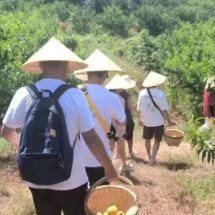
column 22, row 204
column 197, row 192
column 180, row 185
column 180, row 177
column 5, row 149
column 201, row 189
column 4, row 192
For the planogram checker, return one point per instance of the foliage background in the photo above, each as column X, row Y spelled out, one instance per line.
column 173, row 37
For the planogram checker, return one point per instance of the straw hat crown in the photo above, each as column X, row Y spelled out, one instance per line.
column 130, row 81
column 98, row 62
column 118, row 82
column 153, row 79
column 53, row 50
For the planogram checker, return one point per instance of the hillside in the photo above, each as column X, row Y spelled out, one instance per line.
column 172, row 37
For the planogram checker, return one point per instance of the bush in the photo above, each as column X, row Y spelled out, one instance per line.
column 113, row 21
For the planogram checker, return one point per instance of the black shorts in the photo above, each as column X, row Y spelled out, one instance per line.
column 53, row 202
column 156, row 132
column 95, row 174
column 129, row 132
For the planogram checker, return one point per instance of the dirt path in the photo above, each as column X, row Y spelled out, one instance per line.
column 156, row 186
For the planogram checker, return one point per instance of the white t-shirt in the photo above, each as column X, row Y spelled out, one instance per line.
column 77, row 116
column 110, row 108
column 151, row 115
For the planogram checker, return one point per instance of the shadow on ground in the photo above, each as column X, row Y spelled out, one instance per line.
column 136, row 181
column 139, row 160
column 176, row 166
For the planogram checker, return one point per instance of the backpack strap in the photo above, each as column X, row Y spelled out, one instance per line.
column 57, row 94
column 61, row 89
column 33, row 91
column 92, row 106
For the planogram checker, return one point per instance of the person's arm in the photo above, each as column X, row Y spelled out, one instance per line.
column 167, row 119
column 119, row 123
column 10, row 135
column 118, row 113
column 164, row 108
column 139, row 109
column 97, row 148
column 140, row 121
column 14, row 117
column 130, row 105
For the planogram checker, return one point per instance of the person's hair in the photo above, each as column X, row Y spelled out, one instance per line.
column 99, row 73
column 53, row 63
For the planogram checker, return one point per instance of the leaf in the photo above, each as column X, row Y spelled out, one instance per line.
column 199, row 150
column 209, row 156
column 213, row 156
column 203, row 155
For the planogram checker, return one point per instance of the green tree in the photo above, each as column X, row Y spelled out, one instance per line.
column 114, row 21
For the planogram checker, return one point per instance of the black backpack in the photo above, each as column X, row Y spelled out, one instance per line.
column 45, row 155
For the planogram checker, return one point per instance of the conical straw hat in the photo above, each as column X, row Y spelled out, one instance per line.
column 130, row 81
column 117, row 82
column 97, row 62
column 153, row 79
column 53, row 50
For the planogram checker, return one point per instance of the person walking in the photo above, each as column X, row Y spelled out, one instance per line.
column 209, row 108
column 129, row 109
column 51, row 114
column 116, row 85
column 105, row 107
column 152, row 110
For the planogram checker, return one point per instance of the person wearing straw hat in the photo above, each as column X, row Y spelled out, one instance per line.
column 105, row 107
column 55, row 61
column 152, row 113
column 129, row 109
column 116, row 85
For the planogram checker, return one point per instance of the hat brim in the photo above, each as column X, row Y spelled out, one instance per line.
column 88, row 70
column 146, row 85
column 117, row 82
column 53, row 50
column 153, row 79
column 34, row 67
column 82, row 77
column 99, row 62
column 132, row 85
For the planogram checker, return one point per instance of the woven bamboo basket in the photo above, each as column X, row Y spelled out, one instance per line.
column 99, row 198
column 173, row 137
